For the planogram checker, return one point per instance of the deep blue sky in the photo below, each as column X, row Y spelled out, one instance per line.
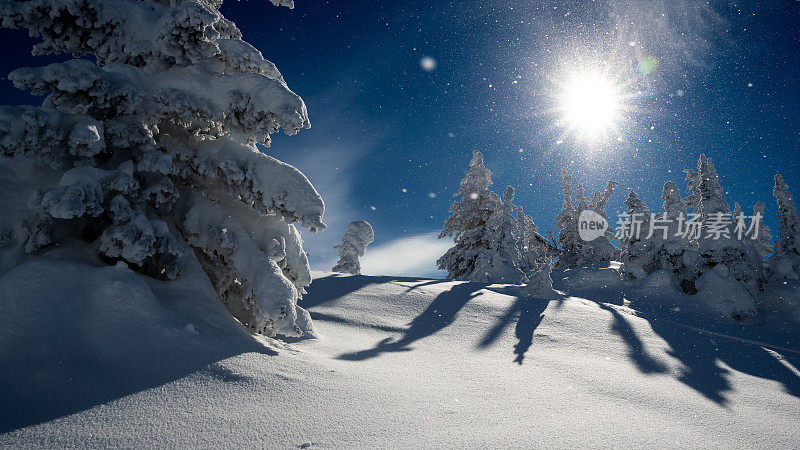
column 726, row 83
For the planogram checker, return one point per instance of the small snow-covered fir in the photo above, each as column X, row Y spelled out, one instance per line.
column 357, row 237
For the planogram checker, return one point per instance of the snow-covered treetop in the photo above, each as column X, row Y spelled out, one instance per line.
column 566, row 186
column 635, row 204
column 478, row 178
column 508, row 194
column 673, row 204
column 600, row 200
column 782, row 194
column 358, row 236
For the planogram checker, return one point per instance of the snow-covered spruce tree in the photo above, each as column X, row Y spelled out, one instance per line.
column 785, row 261
column 601, row 249
column 669, row 241
column 502, row 260
column 357, row 237
column 719, row 255
column 467, row 222
column 763, row 238
column 534, row 249
column 637, row 249
column 152, row 144
column 573, row 250
column 569, row 241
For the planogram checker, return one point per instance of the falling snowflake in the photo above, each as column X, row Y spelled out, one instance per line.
column 427, row 63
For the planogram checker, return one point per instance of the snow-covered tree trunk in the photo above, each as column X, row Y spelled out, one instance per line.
column 154, row 146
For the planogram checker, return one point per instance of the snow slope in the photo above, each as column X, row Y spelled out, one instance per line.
column 123, row 360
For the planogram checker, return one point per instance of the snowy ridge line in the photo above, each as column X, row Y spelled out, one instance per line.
column 633, row 312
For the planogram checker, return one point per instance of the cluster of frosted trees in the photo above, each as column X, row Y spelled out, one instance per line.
column 697, row 240
column 145, row 150
column 495, row 241
column 704, row 245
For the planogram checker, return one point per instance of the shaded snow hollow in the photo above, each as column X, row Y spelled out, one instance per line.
column 101, row 356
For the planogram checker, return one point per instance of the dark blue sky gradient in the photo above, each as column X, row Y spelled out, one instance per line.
column 381, row 124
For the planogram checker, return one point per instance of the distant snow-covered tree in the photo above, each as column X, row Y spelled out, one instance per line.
column 601, row 248
column 354, row 243
column 718, row 249
column 637, row 248
column 533, row 247
column 785, row 261
column 151, row 146
column 502, row 262
column 569, row 241
column 574, row 251
column 467, row 223
column 763, row 237
column 669, row 239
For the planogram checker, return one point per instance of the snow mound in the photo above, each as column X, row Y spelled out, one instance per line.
column 74, row 336
column 101, row 356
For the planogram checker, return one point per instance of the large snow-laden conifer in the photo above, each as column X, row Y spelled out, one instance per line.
column 467, row 222
column 785, row 261
column 154, row 146
column 357, row 237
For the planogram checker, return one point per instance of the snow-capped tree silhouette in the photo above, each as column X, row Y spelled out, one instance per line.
column 467, row 223
column 357, row 237
column 785, row 261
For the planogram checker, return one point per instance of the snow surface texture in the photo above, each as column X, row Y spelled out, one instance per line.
column 155, row 146
column 401, row 362
column 357, row 237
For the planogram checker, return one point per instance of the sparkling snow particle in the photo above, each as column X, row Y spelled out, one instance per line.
column 404, row 190
column 427, row 63
column 432, row 194
column 373, row 208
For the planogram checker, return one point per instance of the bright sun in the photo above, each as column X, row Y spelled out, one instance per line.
column 590, row 105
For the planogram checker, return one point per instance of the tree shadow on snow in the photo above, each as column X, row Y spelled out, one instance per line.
column 332, row 287
column 439, row 314
column 637, row 352
column 707, row 347
column 529, row 313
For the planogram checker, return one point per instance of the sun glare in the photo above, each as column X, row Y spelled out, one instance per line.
column 589, row 105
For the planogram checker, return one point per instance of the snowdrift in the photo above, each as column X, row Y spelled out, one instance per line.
column 102, row 356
